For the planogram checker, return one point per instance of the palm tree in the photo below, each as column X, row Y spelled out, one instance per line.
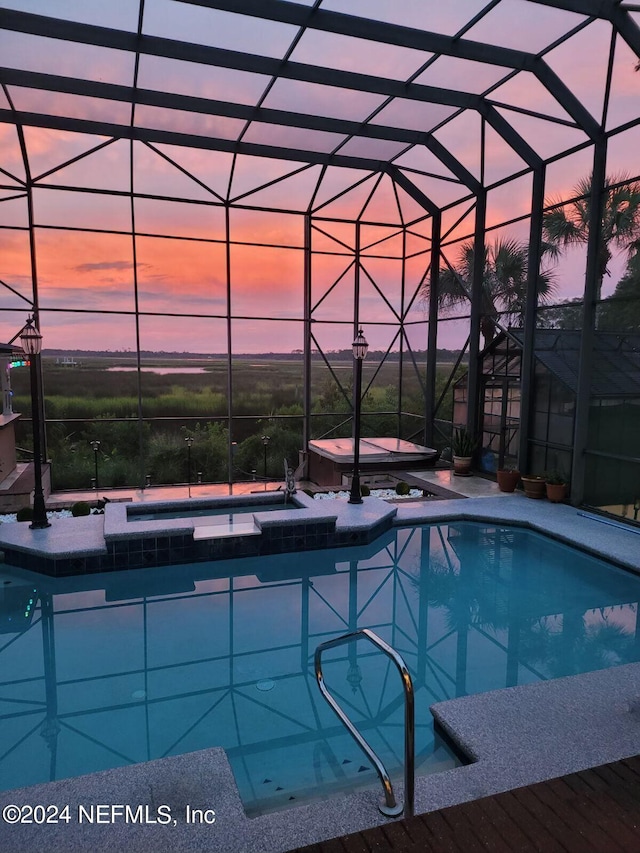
column 504, row 281
column 568, row 225
column 621, row 311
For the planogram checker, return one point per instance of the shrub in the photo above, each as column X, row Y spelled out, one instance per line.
column 365, row 491
column 24, row 514
column 402, row 488
column 80, row 508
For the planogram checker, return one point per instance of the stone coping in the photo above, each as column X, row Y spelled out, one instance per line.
column 87, row 536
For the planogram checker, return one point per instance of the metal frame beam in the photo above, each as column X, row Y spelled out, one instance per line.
column 339, row 23
column 206, row 106
column 381, row 31
column 188, row 140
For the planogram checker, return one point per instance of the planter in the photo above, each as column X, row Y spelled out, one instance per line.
column 534, row 487
column 508, row 480
column 556, row 492
column 462, row 466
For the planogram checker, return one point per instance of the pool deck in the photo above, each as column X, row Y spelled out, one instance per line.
column 595, row 810
column 518, row 736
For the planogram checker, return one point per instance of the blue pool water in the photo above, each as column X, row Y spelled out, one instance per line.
column 238, row 511
column 158, row 662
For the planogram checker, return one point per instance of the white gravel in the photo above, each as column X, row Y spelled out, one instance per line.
column 375, row 493
column 56, row 513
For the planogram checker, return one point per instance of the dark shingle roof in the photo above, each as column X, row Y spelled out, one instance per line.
column 616, row 359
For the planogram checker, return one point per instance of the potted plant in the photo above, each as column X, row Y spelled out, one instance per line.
column 556, row 486
column 463, row 446
column 508, row 479
column 534, row 486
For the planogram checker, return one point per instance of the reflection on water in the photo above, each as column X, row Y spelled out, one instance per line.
column 160, row 662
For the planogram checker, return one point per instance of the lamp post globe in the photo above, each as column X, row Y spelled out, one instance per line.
column 31, row 340
column 360, row 348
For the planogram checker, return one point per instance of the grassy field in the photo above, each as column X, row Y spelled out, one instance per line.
column 95, row 401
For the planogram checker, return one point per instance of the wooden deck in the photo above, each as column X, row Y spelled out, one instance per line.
column 595, row 811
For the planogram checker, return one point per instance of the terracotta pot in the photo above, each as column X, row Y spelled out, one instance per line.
column 508, row 480
column 534, row 487
column 462, row 465
column 556, row 492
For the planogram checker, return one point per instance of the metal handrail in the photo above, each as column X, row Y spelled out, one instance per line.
column 390, row 807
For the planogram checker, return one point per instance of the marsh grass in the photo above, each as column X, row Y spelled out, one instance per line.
column 91, row 401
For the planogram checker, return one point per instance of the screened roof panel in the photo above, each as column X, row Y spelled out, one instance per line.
column 346, row 53
column 374, row 149
column 625, row 86
column 75, row 106
column 464, row 75
column 319, row 100
column 181, row 121
column 581, row 62
column 347, row 82
column 202, row 81
column 419, row 157
column 120, row 14
column 461, row 136
column 66, row 58
column 525, row 91
column 545, row 137
column 300, row 138
column 448, row 18
column 503, row 25
column 411, row 114
column 216, row 28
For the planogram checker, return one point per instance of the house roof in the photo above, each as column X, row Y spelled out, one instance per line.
column 615, row 363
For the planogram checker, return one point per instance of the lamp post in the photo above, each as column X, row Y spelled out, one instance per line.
column 360, row 348
column 265, row 442
column 95, row 446
column 189, row 441
column 32, row 344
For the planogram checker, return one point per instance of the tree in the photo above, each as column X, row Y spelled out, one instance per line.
column 568, row 225
column 504, row 282
column 621, row 312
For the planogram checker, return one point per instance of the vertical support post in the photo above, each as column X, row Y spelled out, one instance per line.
column 356, row 497
column 527, row 364
column 227, row 223
column 359, row 347
column 95, row 446
column 39, row 509
column 477, row 300
column 306, row 406
column 591, row 295
column 134, row 254
column 432, row 332
column 401, row 346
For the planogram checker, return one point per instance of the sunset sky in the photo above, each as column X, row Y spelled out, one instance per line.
column 81, row 269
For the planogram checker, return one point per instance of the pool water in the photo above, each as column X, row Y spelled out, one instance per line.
column 224, row 514
column 158, row 662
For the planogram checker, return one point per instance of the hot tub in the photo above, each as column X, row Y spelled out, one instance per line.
column 331, row 458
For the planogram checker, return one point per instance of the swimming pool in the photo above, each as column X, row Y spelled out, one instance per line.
column 155, row 663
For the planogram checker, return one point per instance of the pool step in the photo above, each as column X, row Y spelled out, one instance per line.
column 220, row 531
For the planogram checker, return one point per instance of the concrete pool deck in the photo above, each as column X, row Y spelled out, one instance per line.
column 517, row 735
